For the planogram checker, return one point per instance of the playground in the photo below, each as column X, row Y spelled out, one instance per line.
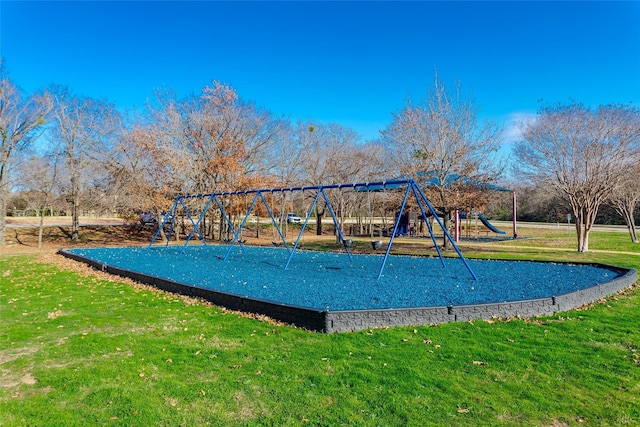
column 340, row 290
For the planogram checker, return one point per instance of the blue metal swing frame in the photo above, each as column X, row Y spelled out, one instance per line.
column 412, row 187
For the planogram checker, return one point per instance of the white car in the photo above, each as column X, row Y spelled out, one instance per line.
column 293, row 218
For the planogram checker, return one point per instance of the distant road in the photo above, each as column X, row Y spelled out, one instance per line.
column 558, row 225
column 65, row 221
column 59, row 221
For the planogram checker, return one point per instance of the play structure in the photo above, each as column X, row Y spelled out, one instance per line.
column 487, row 224
column 255, row 197
column 471, row 212
column 472, row 228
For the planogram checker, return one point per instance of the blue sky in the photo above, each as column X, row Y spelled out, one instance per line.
column 352, row 63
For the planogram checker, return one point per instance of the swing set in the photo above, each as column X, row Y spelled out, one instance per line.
column 216, row 199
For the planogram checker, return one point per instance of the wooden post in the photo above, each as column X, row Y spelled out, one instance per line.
column 515, row 226
column 456, row 225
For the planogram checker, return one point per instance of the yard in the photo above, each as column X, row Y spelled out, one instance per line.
column 78, row 348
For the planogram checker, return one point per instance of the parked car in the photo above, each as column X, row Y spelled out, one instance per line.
column 293, row 218
column 147, row 217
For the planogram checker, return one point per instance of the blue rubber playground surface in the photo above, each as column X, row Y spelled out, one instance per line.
column 329, row 281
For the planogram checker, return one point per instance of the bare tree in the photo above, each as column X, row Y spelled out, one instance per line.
column 20, row 119
column 443, row 142
column 328, row 157
column 364, row 163
column 39, row 180
column 210, row 143
column 626, row 198
column 135, row 180
column 286, row 165
column 582, row 153
column 84, row 130
column 220, row 140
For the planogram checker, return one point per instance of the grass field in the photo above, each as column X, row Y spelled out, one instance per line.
column 79, row 348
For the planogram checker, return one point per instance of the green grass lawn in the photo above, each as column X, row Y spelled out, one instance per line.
column 598, row 240
column 78, row 350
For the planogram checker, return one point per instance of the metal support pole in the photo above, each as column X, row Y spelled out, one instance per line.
column 335, row 222
column 197, row 226
column 275, row 223
column 395, row 229
column 295, row 246
column 426, row 221
column 224, row 215
column 236, row 235
column 515, row 208
column 446, row 233
column 186, row 210
column 172, row 211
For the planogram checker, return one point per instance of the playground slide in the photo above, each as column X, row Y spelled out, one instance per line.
column 490, row 226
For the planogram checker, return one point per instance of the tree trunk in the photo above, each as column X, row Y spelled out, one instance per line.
column 319, row 215
column 631, row 226
column 75, row 219
column 340, row 220
column 446, row 221
column 581, row 232
column 4, row 198
column 3, row 211
column 220, row 227
column 159, row 219
column 284, row 225
column 445, row 216
column 40, row 228
column 579, row 235
column 583, row 244
column 585, row 217
column 626, row 212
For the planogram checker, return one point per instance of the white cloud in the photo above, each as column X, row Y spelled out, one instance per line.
column 512, row 132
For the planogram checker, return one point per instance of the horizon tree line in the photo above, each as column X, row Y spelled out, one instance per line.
column 90, row 155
